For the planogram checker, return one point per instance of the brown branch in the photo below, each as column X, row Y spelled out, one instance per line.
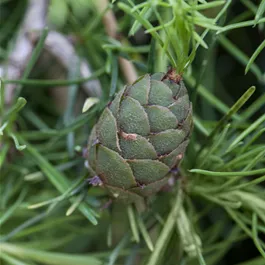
column 111, row 28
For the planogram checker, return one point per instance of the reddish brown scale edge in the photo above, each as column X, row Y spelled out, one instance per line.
column 172, row 75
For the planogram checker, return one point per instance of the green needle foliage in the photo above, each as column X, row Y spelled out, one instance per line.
column 215, row 211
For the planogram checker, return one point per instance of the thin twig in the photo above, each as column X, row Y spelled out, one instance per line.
column 111, row 27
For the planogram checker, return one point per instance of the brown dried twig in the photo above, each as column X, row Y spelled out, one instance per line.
column 111, row 27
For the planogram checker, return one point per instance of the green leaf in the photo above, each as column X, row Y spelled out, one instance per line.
column 200, row 40
column 3, row 154
column 146, row 12
column 206, row 23
column 34, row 57
column 254, row 107
column 206, row 5
column 260, row 11
column 12, row 208
column 166, row 232
column 246, row 132
column 190, row 239
column 229, row 173
column 144, row 233
column 200, row 126
column 115, row 253
column 2, row 128
column 49, row 258
column 209, row 97
column 11, row 113
column 127, row 9
column 240, row 25
column 18, row 146
column 234, row 109
column 254, row 231
column 11, row 260
column 133, row 224
column 55, row 83
column 151, row 57
column 2, row 96
column 76, row 202
column 255, row 54
column 56, row 178
column 114, row 75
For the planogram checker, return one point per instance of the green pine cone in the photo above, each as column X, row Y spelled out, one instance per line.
column 140, row 137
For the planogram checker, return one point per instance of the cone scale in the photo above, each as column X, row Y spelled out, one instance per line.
column 141, row 136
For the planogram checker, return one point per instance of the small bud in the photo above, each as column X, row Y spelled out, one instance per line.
column 89, row 103
column 95, row 181
column 143, row 135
